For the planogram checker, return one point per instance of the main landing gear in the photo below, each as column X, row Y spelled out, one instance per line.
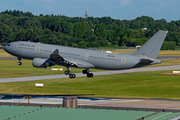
column 68, row 72
column 19, row 63
column 86, row 71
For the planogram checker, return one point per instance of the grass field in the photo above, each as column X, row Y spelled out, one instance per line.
column 135, row 85
column 132, row 85
column 145, row 85
column 169, row 53
column 4, row 54
column 9, row 68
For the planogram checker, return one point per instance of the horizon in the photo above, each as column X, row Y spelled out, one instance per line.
column 88, row 16
column 117, row 9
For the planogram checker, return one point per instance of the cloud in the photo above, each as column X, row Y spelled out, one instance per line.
column 125, row 2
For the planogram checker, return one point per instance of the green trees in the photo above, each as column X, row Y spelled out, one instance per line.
column 100, row 31
column 121, row 37
column 67, row 28
column 168, row 45
column 6, row 33
column 79, row 30
column 76, row 32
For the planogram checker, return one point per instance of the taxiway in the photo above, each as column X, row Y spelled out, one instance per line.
column 96, row 103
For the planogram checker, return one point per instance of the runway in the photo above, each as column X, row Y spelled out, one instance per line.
column 8, row 58
column 60, row 76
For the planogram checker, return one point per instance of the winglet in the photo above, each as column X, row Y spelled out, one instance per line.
column 56, row 51
column 55, row 55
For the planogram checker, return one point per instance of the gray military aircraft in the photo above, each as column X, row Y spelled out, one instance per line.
column 45, row 55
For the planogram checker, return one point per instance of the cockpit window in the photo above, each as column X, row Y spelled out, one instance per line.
column 8, row 44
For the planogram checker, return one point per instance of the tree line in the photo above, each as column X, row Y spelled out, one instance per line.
column 77, row 32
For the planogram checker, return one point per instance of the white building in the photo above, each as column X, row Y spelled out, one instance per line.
column 144, row 29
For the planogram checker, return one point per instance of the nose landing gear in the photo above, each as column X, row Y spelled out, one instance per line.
column 19, row 63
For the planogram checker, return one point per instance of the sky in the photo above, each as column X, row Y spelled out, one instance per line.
column 116, row 9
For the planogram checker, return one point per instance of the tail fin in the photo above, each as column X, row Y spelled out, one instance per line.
column 153, row 45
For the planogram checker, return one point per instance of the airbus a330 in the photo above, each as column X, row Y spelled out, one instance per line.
column 46, row 55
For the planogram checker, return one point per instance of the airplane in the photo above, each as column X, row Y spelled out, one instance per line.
column 46, row 55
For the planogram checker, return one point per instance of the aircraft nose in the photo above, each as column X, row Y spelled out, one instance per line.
column 6, row 47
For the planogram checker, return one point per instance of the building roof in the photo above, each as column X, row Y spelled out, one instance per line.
column 53, row 113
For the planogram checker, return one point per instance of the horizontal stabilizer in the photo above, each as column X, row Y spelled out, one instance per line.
column 149, row 61
column 146, row 61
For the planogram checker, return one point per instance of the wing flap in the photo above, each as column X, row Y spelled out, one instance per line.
column 79, row 63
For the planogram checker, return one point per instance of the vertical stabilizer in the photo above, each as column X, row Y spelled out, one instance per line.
column 153, row 45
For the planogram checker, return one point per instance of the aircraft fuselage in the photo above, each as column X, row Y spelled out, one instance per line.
column 99, row 60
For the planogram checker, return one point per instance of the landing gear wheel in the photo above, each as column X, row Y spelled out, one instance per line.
column 84, row 71
column 19, row 63
column 89, row 75
column 72, row 76
column 66, row 72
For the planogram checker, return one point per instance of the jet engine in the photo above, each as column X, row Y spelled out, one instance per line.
column 41, row 63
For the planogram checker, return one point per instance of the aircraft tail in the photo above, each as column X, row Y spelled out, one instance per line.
column 153, row 45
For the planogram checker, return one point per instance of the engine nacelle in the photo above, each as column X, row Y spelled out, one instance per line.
column 41, row 63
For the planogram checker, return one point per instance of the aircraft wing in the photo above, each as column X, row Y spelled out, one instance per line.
column 55, row 57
